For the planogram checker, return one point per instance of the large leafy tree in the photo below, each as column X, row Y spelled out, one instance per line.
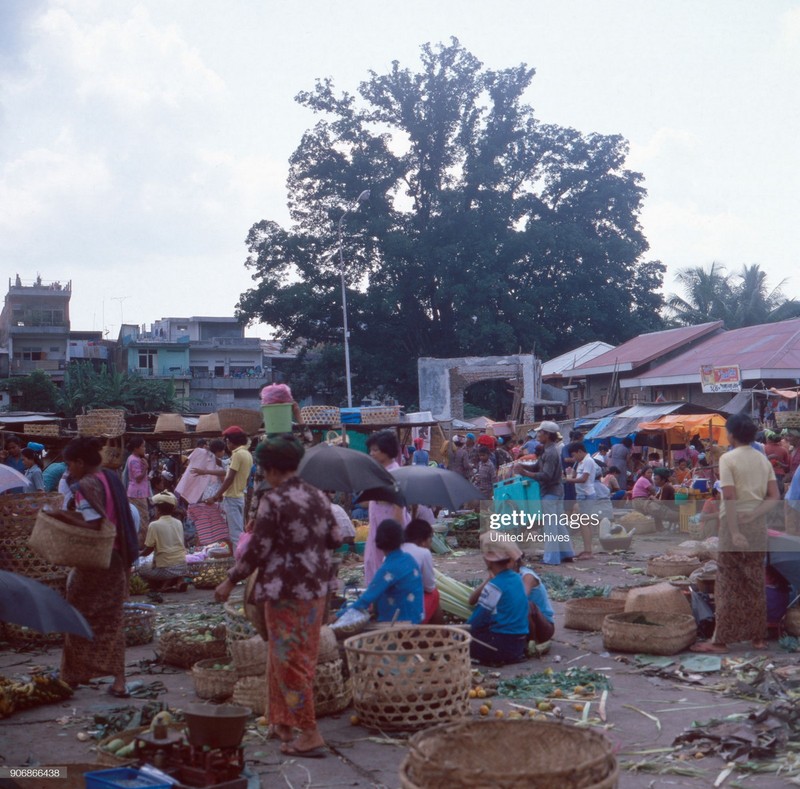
column 487, row 231
column 744, row 298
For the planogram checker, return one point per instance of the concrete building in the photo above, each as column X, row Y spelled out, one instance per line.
column 557, row 386
column 34, row 326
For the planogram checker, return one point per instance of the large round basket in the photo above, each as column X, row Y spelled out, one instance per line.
column 327, row 415
column 498, row 754
column 24, row 635
column 109, row 759
column 62, row 538
column 252, row 692
column 409, row 677
column 250, row 656
column 239, row 626
column 663, row 597
column 588, row 613
column 170, row 423
column 214, row 684
column 139, row 622
column 792, row 624
column 210, row 573
column 328, row 645
column 108, row 422
column 468, row 539
column 648, row 631
column 661, row 567
column 17, row 518
column 208, row 423
column 183, row 648
column 247, row 418
column 333, row 692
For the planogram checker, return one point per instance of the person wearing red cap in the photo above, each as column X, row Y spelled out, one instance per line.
column 231, row 494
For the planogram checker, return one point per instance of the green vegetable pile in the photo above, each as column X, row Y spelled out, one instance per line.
column 543, row 684
column 471, row 521
column 565, row 587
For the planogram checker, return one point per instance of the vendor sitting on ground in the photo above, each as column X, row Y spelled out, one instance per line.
column 541, row 619
column 709, row 515
column 500, row 620
column 419, row 536
column 396, row 589
column 165, row 538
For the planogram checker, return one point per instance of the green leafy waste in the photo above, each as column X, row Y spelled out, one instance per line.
column 565, row 587
column 543, row 684
column 789, row 644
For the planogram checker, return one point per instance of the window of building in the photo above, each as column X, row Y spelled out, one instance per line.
column 147, row 359
column 245, row 394
column 219, row 371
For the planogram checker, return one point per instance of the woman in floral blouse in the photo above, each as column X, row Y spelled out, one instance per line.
column 294, row 534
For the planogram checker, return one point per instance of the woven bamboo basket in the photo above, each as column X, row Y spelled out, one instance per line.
column 112, row 454
column 254, row 611
column 211, row 683
column 662, row 597
column 175, row 649
column 380, row 415
column 108, row 759
column 247, row 418
column 16, row 634
column 333, row 692
column 208, row 423
column 108, row 422
column 651, row 632
column 239, row 627
column 588, row 613
column 409, row 677
column 139, row 623
column 475, row 755
column 17, row 518
column 250, row 656
column 62, row 538
column 42, row 429
column 170, row 423
column 792, row 624
column 328, row 645
column 210, row 573
column 328, row 415
column 252, row 692
column 468, row 539
column 788, row 419
column 664, row 569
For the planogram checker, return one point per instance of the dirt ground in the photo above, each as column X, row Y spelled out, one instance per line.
column 362, row 758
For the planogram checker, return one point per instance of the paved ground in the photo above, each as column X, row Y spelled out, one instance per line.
column 49, row 735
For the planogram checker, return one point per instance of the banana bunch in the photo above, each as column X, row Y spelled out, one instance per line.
column 210, row 578
column 40, row 689
column 137, row 585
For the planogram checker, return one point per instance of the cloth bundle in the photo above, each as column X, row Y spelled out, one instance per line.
column 276, row 393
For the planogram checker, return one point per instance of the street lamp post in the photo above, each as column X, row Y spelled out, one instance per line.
column 364, row 196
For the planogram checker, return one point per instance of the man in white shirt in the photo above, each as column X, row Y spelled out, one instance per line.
column 584, row 476
column 419, row 535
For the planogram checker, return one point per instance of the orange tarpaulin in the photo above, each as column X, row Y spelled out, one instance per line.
column 789, row 394
column 681, row 428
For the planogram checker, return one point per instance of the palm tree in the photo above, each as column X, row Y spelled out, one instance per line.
column 754, row 302
column 705, row 295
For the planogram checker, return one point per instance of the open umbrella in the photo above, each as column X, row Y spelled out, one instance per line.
column 28, row 603
column 346, row 470
column 784, row 556
column 11, row 478
column 436, row 487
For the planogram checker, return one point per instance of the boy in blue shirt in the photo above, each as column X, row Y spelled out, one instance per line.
column 396, row 589
column 500, row 619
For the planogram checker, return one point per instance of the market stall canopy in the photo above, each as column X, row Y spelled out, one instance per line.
column 627, row 422
column 789, row 394
column 681, row 428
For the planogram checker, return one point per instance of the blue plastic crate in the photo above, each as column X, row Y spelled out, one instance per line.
column 517, row 493
column 122, row 778
column 350, row 416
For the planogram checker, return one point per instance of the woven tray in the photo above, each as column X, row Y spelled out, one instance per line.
column 210, row 573
column 247, row 418
column 252, row 692
column 663, row 597
column 650, row 632
column 250, row 656
column 139, row 622
column 174, row 648
column 663, row 569
column 328, row 415
column 333, row 692
column 108, row 422
column 588, row 613
column 522, row 754
column 213, row 684
column 410, row 677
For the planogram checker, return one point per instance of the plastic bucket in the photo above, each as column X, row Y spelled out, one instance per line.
column 277, row 417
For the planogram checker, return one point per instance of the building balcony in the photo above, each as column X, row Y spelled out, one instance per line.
column 33, row 329
column 229, row 343
column 217, row 382
column 164, row 372
column 25, row 366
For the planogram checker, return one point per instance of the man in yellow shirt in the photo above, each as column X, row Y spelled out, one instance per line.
column 165, row 538
column 231, row 494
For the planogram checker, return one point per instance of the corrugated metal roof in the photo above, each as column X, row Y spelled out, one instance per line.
column 766, row 350
column 572, row 359
column 643, row 349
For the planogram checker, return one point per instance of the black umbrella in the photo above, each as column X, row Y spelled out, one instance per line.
column 434, row 487
column 28, row 603
column 784, row 556
column 338, row 468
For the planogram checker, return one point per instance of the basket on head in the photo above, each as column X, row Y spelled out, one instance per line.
column 669, row 566
column 170, row 423
column 139, row 623
column 183, row 648
column 328, row 415
column 475, row 755
column 250, row 656
column 108, row 422
column 662, row 597
column 247, row 418
column 42, row 429
column 252, row 692
column 333, row 691
column 588, row 613
column 651, row 632
column 208, row 423
column 410, row 676
column 213, row 683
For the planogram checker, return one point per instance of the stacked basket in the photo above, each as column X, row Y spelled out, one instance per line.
column 588, row 613
column 651, row 632
column 108, row 422
column 380, row 415
column 328, row 415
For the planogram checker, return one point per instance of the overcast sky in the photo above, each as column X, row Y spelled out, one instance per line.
column 139, row 141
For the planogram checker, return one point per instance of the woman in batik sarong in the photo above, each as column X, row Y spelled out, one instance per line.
column 99, row 593
column 749, row 491
column 291, row 549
